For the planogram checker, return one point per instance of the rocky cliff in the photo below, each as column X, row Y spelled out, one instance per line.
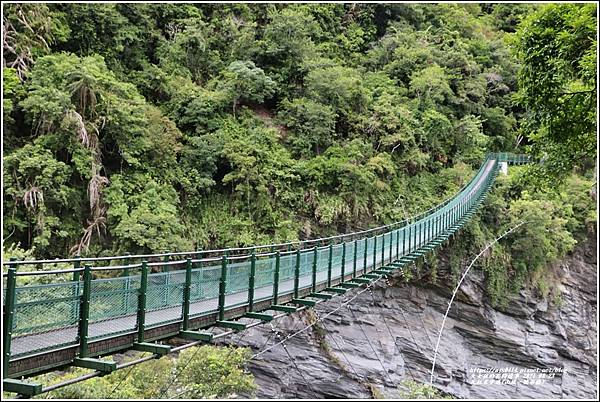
column 387, row 336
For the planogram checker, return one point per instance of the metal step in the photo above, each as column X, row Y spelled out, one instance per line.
column 95, row 364
column 324, row 296
column 350, row 285
column 238, row 326
column 21, row 387
column 259, row 316
column 285, row 309
column 154, row 348
column 305, row 302
column 197, row 335
column 337, row 289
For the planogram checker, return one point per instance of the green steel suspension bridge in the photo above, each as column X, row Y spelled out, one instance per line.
column 71, row 312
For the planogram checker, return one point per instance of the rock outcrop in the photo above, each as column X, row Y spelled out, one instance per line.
column 386, row 336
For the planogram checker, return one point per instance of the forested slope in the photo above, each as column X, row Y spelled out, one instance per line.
column 154, row 127
column 166, row 127
column 171, row 127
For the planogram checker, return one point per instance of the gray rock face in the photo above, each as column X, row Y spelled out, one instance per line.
column 388, row 335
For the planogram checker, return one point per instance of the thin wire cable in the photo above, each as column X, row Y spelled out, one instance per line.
column 125, row 377
column 163, row 392
column 360, row 378
column 464, row 275
column 395, row 342
column 410, row 331
column 176, row 376
column 273, row 332
column 425, row 330
column 299, row 371
column 318, row 320
column 370, row 344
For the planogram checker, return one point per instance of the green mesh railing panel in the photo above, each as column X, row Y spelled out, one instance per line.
column 46, row 316
column 204, row 290
column 113, row 306
column 42, row 310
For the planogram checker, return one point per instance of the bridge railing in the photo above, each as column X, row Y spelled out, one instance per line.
column 286, row 246
column 72, row 307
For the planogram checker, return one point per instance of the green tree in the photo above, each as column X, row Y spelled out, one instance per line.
column 143, row 215
column 312, row 125
column 29, row 30
column 337, row 86
column 557, row 85
column 287, row 44
column 200, row 372
column 430, row 85
column 244, row 82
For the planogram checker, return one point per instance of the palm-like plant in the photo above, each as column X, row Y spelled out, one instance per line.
column 84, row 87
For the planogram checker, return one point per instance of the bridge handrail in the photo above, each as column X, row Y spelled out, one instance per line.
column 502, row 157
column 119, row 304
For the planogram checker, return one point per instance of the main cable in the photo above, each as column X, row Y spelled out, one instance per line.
column 370, row 344
column 464, row 275
column 316, row 321
column 394, row 340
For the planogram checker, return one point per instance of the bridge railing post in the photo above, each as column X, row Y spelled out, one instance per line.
column 343, row 268
column 126, row 285
column 383, row 248
column 251, row 282
column 167, row 280
column 276, row 276
column 84, row 311
column 222, row 288
column 186, row 294
column 314, row 270
column 432, row 227
column 397, row 243
column 391, row 245
column 141, row 308
column 365, row 255
column 200, row 291
column 9, row 315
column 374, row 252
column 297, row 274
column 415, row 236
column 355, row 256
column 75, row 290
column 329, row 265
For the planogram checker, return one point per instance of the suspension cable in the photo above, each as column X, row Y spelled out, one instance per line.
column 299, row 371
column 370, row 344
column 394, row 340
column 341, row 351
column 316, row 321
column 464, row 275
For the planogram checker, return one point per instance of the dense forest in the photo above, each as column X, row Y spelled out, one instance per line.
column 167, row 127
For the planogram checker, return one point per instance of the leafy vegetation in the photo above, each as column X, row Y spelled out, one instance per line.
column 410, row 389
column 200, row 372
column 555, row 221
column 175, row 127
column 558, row 84
column 151, row 127
column 132, row 132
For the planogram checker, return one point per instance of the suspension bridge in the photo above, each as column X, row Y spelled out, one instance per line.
column 75, row 312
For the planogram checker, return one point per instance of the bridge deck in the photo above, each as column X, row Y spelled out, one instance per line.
column 46, row 348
